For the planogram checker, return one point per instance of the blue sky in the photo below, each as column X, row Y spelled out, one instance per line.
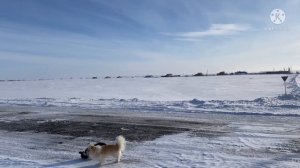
column 83, row 38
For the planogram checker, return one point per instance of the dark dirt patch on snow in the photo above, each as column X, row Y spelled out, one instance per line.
column 108, row 127
column 81, row 129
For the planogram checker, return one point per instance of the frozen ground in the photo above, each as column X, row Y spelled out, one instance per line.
column 233, row 121
column 236, row 141
column 243, row 87
column 260, row 94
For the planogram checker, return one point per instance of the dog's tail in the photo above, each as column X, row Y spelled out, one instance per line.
column 121, row 142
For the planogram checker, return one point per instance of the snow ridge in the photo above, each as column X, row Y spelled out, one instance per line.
column 295, row 85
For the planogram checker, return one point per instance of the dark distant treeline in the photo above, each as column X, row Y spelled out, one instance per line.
column 284, row 71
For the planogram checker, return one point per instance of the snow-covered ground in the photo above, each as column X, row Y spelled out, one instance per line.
column 261, row 125
column 261, row 94
column 243, row 87
column 250, row 145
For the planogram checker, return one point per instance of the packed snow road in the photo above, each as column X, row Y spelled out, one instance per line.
column 199, row 140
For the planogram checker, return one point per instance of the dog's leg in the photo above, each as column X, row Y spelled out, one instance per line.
column 102, row 159
column 119, row 156
column 116, row 156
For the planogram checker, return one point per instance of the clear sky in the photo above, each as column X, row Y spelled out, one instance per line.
column 83, row 38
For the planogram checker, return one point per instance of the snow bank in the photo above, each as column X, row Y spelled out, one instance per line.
column 297, row 78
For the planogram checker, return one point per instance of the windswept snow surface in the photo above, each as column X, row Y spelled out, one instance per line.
column 253, row 145
column 262, row 124
column 244, row 87
column 248, row 94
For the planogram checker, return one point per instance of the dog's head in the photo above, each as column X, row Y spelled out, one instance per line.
column 84, row 154
column 91, row 149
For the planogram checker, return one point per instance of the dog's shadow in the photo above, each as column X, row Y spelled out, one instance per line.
column 87, row 163
column 76, row 162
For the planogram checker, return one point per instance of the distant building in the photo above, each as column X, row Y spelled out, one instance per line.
column 241, row 73
column 198, row 74
column 277, row 72
column 170, row 75
column 167, row 75
column 221, row 73
column 284, row 71
column 149, row 76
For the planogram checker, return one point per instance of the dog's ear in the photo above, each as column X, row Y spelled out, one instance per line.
column 93, row 147
column 100, row 144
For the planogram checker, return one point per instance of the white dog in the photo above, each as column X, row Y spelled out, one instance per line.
column 101, row 152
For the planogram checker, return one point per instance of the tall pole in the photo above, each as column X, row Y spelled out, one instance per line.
column 284, row 78
column 284, row 87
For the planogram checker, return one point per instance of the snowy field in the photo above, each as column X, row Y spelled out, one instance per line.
column 261, row 94
column 243, row 87
column 234, row 121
